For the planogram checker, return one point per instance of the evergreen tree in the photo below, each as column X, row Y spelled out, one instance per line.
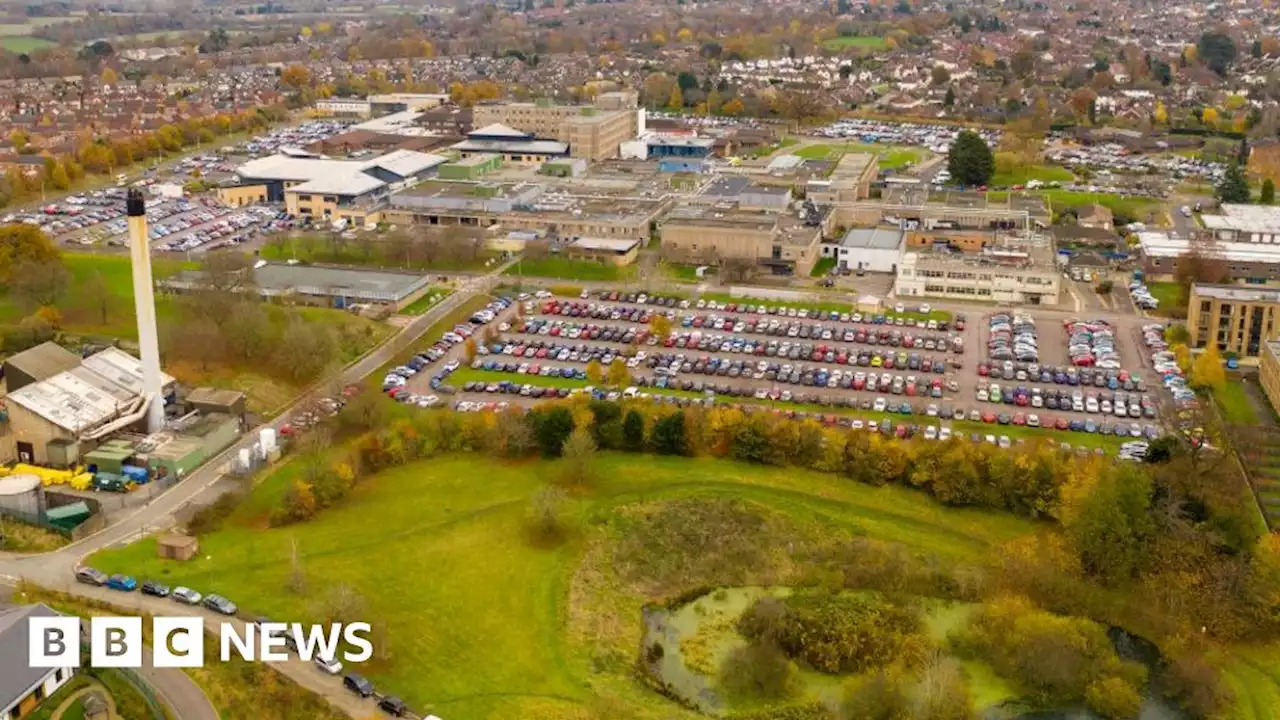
column 1268, row 196
column 971, row 161
column 633, row 431
column 1242, row 156
column 950, row 99
column 668, row 435
column 1234, row 187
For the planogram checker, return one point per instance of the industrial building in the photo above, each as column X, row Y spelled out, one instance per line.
column 877, row 249
column 1233, row 318
column 470, row 167
column 511, row 145
column 780, row 242
column 1007, row 270
column 35, row 364
column 849, row 181
column 613, row 251
column 319, row 187
column 332, row 286
column 1243, row 261
column 592, row 132
column 54, row 420
column 23, row 688
column 1258, row 224
column 525, row 206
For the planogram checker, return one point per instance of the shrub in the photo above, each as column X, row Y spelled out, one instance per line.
column 1114, row 698
column 838, row 633
column 760, row 669
column 209, row 518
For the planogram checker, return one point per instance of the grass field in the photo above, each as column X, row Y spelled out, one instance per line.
column 682, row 273
column 866, row 42
column 822, row 267
column 1133, row 207
column 1043, row 173
column 1170, row 297
column 482, row 623
column 560, row 267
column 1234, row 402
column 890, row 157
column 367, row 251
column 23, row 43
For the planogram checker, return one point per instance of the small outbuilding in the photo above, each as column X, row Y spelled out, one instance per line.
column 177, row 547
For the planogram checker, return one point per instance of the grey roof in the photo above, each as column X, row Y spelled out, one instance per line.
column 499, row 130
column 406, row 163
column 346, row 183
column 1237, row 293
column 529, row 147
column 876, row 238
column 44, row 360
column 16, row 678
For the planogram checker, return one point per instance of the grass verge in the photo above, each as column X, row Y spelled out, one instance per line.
column 432, row 298
column 559, row 267
column 1234, row 402
column 21, row 537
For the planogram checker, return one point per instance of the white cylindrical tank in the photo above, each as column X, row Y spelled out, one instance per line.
column 21, row 494
column 245, row 459
column 267, row 438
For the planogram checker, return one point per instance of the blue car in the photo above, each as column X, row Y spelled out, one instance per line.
column 123, row 583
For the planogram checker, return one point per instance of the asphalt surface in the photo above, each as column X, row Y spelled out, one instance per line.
column 56, row 570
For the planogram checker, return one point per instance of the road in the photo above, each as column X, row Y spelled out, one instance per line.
column 56, row 570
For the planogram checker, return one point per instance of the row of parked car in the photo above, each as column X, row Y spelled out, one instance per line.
column 1142, row 296
column 883, row 335
column 1166, row 365
column 799, row 374
column 184, row 595
column 1092, row 343
column 1073, row 376
column 394, row 382
column 1120, row 404
column 1013, row 337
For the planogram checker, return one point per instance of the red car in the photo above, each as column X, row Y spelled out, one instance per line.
column 1061, row 424
column 984, row 370
column 988, row 417
column 1019, row 419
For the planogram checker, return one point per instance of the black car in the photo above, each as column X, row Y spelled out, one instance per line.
column 392, row 705
column 358, row 684
column 151, row 587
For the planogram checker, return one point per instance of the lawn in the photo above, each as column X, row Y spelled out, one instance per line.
column 483, row 623
column 1170, row 296
column 23, row 43
column 1136, row 208
column 684, row 273
column 1233, row 401
column 567, row 269
column 866, row 42
column 433, row 297
column 367, row 250
column 1043, row 173
column 822, row 267
column 21, row 537
column 820, row 306
column 891, row 157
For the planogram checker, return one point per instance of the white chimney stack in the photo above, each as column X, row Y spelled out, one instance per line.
column 145, row 306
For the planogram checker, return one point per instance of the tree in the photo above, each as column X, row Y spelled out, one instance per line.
column 295, row 77
column 552, row 427
column 660, row 326
column 546, row 514
column 1207, row 372
column 306, row 350
column 950, row 98
column 669, row 436
column 633, row 431
column 39, row 284
column 939, row 75
column 1217, row 51
column 109, row 77
column 470, row 348
column 1234, row 186
column 19, row 140
column 1210, row 117
column 1268, row 194
column 1111, row 526
column 595, row 374
column 971, row 161
column 618, row 374
column 733, row 108
column 37, row 328
column 1161, row 114
column 59, row 177
column 676, row 102
column 1113, row 697
column 578, row 458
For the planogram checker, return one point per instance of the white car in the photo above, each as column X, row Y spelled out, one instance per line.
column 931, row 432
column 328, row 665
column 944, row 433
column 186, row 595
column 880, row 405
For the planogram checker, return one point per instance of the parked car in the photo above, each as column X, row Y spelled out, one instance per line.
column 330, row 665
column 89, row 576
column 393, row 706
column 358, row 684
column 219, row 604
column 151, row 587
column 123, row 583
column 186, row 596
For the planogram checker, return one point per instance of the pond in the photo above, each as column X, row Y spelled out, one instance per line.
column 684, row 646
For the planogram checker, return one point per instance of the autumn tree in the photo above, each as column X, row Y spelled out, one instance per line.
column 295, row 77
column 595, row 373
column 22, row 243
column 618, row 374
column 470, row 348
column 1111, row 525
column 96, row 293
column 660, row 326
column 39, row 284
column 1207, row 371
column 578, row 459
column 733, row 108
column 675, row 102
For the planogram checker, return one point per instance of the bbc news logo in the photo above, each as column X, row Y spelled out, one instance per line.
column 178, row 642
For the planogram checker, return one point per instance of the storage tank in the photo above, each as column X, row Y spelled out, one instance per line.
column 21, row 494
column 267, row 438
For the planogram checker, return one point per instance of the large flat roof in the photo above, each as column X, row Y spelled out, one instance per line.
column 876, row 238
column 1237, row 293
column 1163, row 245
column 531, row 147
column 1244, row 218
column 614, row 245
column 337, row 173
column 84, row 397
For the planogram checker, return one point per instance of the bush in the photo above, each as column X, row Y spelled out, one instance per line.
column 1113, row 698
column 209, row 518
column 759, row 670
column 838, row 633
column 546, row 521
